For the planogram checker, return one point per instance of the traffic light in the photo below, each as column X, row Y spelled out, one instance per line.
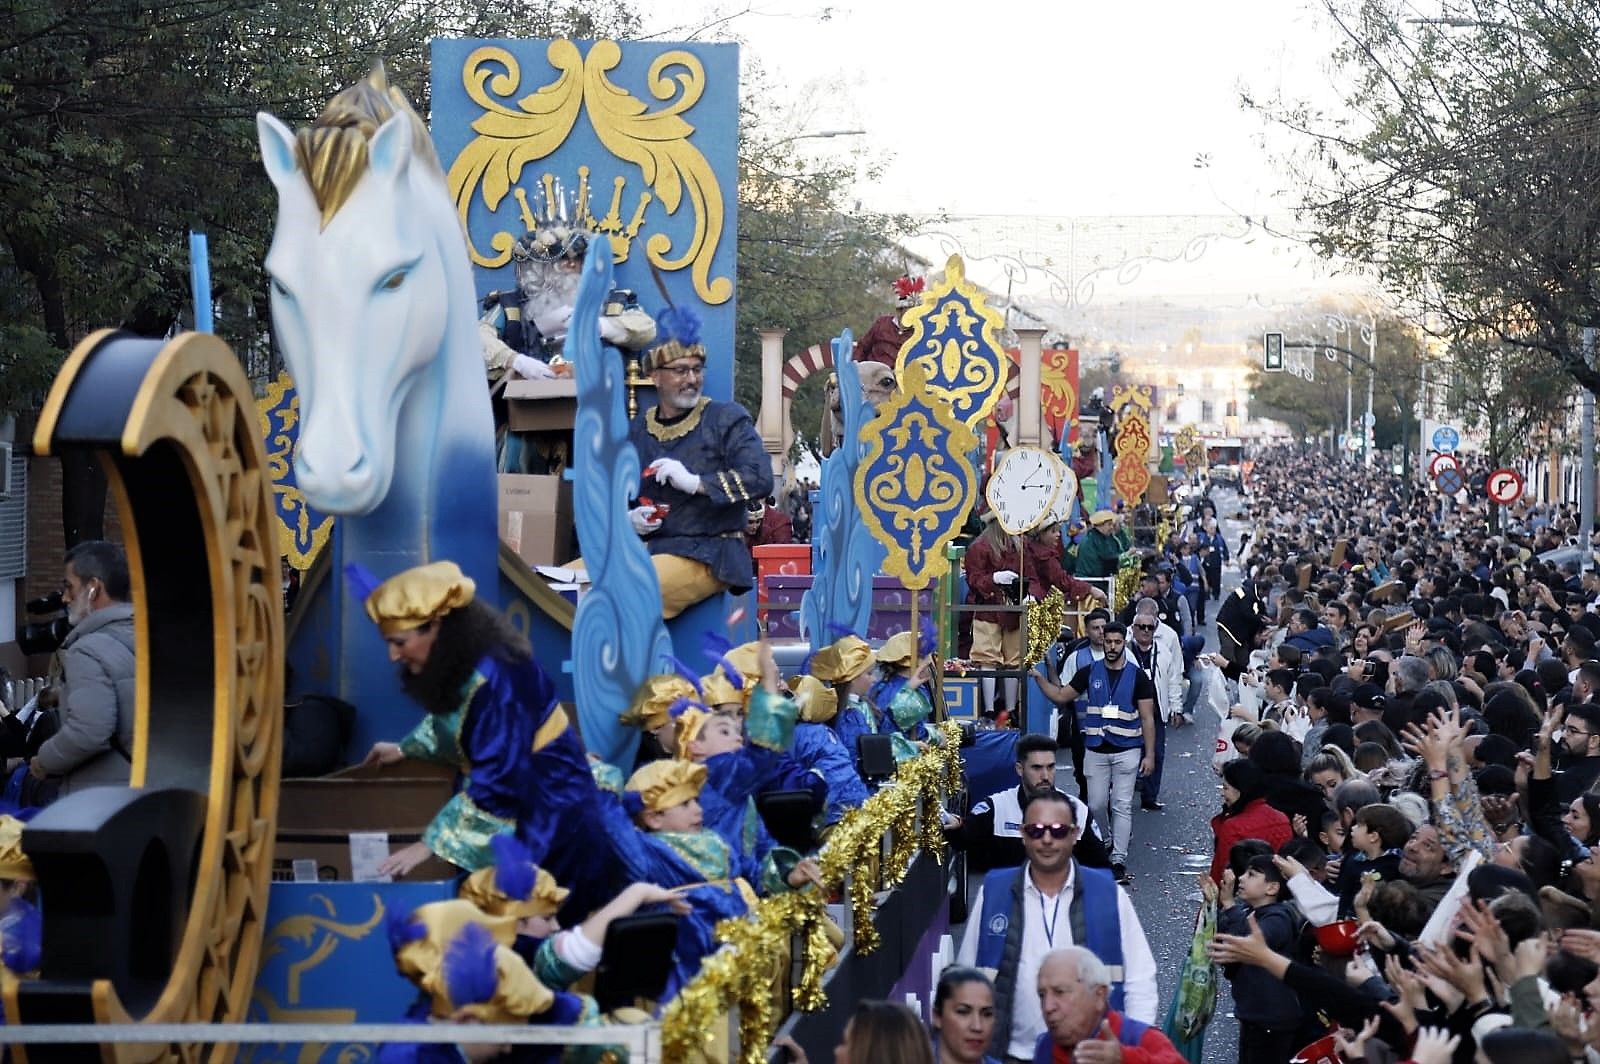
column 1274, row 350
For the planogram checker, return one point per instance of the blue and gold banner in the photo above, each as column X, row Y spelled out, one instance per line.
column 915, row 482
column 302, row 531
column 955, row 340
column 636, row 140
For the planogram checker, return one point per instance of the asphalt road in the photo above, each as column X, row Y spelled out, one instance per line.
column 1172, row 847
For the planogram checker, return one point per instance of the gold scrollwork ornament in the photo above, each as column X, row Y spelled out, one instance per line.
column 955, row 341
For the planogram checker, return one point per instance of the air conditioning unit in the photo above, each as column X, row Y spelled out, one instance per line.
column 5, row 472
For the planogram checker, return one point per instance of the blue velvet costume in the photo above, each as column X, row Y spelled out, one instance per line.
column 734, row 779
column 722, row 879
column 860, row 718
column 524, row 772
column 818, row 747
column 718, row 442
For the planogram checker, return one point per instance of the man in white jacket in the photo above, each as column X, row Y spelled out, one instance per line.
column 1156, row 649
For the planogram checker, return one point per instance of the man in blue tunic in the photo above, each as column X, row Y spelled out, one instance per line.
column 491, row 714
column 703, row 463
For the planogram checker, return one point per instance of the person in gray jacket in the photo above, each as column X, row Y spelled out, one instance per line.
column 96, row 699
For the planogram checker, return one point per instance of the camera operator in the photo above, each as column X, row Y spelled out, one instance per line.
column 96, row 689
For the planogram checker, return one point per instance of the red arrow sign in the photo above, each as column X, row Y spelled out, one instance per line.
column 1504, row 486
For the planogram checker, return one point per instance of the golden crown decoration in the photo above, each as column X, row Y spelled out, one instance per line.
column 560, row 218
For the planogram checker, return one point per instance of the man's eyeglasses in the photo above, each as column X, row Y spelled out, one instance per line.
column 683, row 373
column 1055, row 831
column 1145, row 627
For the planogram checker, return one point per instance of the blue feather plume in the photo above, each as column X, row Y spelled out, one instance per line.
column 513, row 866
column 468, row 966
column 928, row 639
column 716, row 648
column 402, row 929
column 21, row 937
column 678, row 323
column 683, row 670
column 361, row 579
column 682, row 705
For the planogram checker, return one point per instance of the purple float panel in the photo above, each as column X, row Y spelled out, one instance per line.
column 891, row 607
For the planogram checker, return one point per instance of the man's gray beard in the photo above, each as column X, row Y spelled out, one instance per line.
column 548, row 288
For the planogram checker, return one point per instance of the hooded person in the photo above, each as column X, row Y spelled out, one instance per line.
column 1246, row 814
column 1101, row 548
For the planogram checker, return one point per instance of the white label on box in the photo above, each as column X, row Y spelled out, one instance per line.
column 368, row 850
column 514, row 530
column 305, row 870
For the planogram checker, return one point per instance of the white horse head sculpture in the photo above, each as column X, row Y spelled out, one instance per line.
column 373, row 306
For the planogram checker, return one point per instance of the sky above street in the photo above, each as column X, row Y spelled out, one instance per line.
column 1034, row 107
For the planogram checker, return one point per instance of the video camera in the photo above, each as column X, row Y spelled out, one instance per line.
column 44, row 635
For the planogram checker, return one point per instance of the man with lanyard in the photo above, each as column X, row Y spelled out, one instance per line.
column 991, row 834
column 1062, row 662
column 1021, row 915
column 1116, row 713
column 1157, row 650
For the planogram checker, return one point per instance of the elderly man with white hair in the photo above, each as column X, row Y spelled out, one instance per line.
column 1080, row 1024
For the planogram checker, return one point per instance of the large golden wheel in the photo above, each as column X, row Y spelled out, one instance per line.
column 168, row 879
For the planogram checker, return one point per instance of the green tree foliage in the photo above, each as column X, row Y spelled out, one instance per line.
column 1506, row 392
column 809, row 261
column 1460, row 168
column 123, row 125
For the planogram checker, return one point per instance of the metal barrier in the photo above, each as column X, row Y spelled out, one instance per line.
column 16, row 693
column 642, row 1041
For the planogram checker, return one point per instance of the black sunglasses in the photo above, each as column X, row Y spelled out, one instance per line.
column 1057, row 831
column 1145, row 627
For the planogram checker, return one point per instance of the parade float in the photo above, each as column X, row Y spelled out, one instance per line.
column 211, row 891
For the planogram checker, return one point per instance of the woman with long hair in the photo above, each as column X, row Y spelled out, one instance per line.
column 963, row 1017
column 880, row 1032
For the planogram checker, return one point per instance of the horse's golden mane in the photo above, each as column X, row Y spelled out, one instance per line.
column 332, row 151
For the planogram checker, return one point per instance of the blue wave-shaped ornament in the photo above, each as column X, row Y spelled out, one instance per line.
column 848, row 557
column 618, row 635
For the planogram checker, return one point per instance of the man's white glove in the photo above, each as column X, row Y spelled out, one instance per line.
column 553, row 323
column 639, row 517
column 671, row 471
column 612, row 330
column 1005, row 577
column 530, row 368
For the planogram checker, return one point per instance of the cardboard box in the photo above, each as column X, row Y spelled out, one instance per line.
column 318, row 817
column 536, row 518
column 542, row 406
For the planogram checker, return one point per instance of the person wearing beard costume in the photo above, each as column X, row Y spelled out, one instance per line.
column 523, row 333
column 492, row 715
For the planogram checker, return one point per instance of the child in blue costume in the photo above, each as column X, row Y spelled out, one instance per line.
column 818, row 747
column 656, row 832
column 847, row 665
column 905, row 661
column 492, row 716
column 517, row 888
column 462, row 962
column 745, row 684
column 21, row 929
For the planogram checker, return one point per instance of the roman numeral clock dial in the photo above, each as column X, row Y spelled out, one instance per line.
column 1024, row 488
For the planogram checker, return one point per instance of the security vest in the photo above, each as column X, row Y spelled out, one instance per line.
column 1106, row 712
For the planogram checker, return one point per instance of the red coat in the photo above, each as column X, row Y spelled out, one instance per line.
column 981, row 563
column 882, row 341
column 1257, row 820
column 775, row 528
column 1045, row 572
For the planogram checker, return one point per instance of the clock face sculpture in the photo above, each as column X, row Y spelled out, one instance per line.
column 1066, row 494
column 1023, row 488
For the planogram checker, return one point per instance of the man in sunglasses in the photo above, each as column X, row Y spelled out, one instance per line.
column 1021, row 914
column 1116, row 708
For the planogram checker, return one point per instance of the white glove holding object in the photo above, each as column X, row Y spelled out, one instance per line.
column 671, row 471
column 639, row 517
column 612, row 330
column 1005, row 577
column 530, row 368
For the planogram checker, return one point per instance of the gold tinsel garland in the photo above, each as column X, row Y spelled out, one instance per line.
column 1126, row 583
column 740, row 974
column 1045, row 619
